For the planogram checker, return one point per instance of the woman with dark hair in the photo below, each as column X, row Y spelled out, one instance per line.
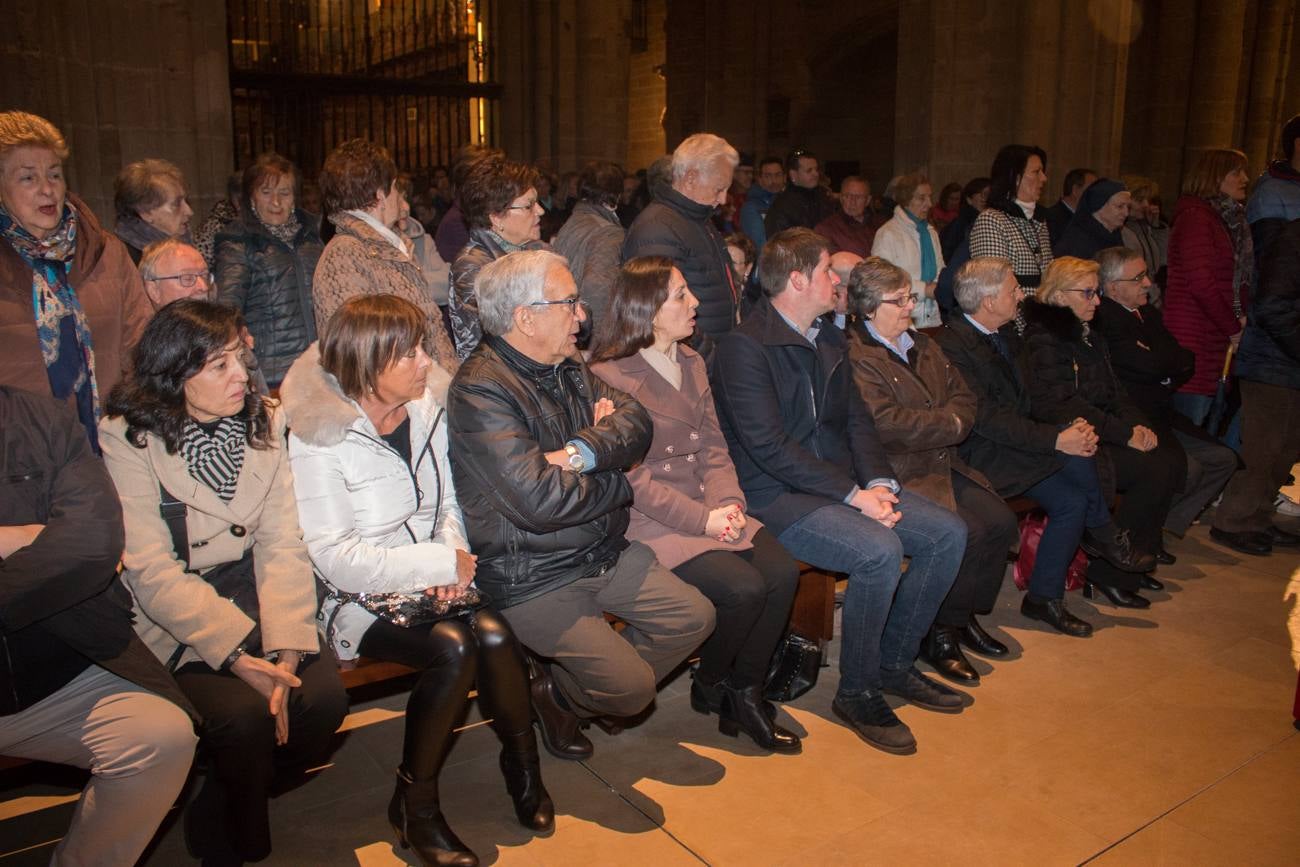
column 1013, row 227
column 367, row 256
column 1211, row 263
column 1096, row 224
column 974, row 199
column 152, row 205
column 923, row 410
column 72, row 305
column 265, row 263
column 380, row 520
column 592, row 238
column 688, row 505
column 499, row 203
column 214, row 558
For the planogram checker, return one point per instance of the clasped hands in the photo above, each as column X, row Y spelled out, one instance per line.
column 725, row 523
column 878, row 504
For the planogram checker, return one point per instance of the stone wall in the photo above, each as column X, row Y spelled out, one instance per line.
column 124, row 81
column 647, row 91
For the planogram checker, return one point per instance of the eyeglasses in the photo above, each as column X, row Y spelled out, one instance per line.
column 1088, row 294
column 571, row 303
column 526, row 206
column 905, row 301
column 1138, row 279
column 187, row 280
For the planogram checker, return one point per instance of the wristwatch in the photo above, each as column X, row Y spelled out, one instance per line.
column 233, row 657
column 576, row 461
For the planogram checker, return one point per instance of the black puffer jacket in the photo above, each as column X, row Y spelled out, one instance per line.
column 1270, row 346
column 270, row 282
column 534, row 526
column 797, row 206
column 679, row 228
column 1069, row 375
column 62, row 606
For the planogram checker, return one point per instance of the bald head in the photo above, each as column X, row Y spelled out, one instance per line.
column 842, row 264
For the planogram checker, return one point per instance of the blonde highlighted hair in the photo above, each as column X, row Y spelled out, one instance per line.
column 20, row 129
column 1062, row 275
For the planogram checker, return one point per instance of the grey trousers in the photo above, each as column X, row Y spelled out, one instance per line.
column 602, row 671
column 1209, row 466
column 138, row 747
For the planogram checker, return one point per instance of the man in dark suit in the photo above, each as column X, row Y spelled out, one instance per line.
column 1151, row 365
column 1019, row 455
column 1060, row 214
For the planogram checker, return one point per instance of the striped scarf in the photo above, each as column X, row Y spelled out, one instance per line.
column 215, row 458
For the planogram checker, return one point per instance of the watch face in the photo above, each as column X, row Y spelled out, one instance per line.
column 576, row 461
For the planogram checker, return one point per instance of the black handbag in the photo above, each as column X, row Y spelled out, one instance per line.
column 794, row 669
column 234, row 581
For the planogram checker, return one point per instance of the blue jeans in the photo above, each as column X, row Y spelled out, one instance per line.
column 1197, row 408
column 1072, row 499
column 884, row 618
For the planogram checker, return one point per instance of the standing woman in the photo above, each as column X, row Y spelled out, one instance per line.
column 688, row 506
column 1211, row 258
column 367, row 255
column 910, row 242
column 1013, row 227
column 214, row 558
column 265, row 261
column 72, row 304
column 152, row 205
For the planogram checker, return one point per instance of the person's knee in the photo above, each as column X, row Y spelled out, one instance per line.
column 744, row 591
column 492, row 632
column 630, row 693
column 452, row 644
column 159, row 737
column 882, row 553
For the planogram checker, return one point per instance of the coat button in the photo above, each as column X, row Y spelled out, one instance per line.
column 690, row 459
column 701, row 486
column 238, row 531
column 694, row 435
column 669, row 449
column 667, row 467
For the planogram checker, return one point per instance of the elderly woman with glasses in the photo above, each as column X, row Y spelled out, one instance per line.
column 1067, row 364
column 923, row 409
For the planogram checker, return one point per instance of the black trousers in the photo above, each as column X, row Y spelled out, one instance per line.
column 452, row 655
column 239, row 737
column 1148, row 481
column 1270, row 439
column 752, row 592
column 991, row 531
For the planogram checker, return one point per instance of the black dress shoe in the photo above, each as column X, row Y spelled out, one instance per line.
column 742, row 710
column 1117, row 595
column 874, row 721
column 1054, row 613
column 706, row 698
column 976, row 639
column 910, row 684
column 1251, row 542
column 1164, row 558
column 941, row 651
column 561, row 734
column 1281, row 538
column 1113, row 545
column 1149, row 583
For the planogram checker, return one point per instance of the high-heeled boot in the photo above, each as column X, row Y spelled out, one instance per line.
column 416, row 815
column 742, row 710
column 522, row 769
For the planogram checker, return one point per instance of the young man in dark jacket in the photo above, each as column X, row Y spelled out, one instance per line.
column 77, row 686
column 815, row 473
column 539, row 447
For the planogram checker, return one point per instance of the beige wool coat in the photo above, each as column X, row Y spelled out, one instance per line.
column 358, row 261
column 687, row 471
column 174, row 607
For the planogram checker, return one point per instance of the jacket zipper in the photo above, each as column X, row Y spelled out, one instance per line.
column 410, row 471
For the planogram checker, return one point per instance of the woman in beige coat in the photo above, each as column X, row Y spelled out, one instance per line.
column 688, row 505
column 214, row 558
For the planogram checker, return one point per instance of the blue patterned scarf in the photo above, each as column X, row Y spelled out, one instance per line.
column 61, row 325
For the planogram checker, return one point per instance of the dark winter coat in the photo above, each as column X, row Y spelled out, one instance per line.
column 592, row 241
column 797, row 206
column 1270, row 348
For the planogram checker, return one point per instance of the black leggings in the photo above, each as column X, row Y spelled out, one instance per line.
column 451, row 654
column 752, row 592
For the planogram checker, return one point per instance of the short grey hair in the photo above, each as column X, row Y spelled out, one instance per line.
column 155, row 251
column 515, row 280
column 870, row 279
column 978, row 279
column 1111, row 262
column 699, row 152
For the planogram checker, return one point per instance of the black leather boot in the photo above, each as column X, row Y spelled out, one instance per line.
column 416, row 816
column 1117, row 595
column 706, row 698
column 1113, row 545
column 941, row 650
column 522, row 769
column 742, row 710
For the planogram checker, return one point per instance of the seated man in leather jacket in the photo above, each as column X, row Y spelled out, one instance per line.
column 539, row 447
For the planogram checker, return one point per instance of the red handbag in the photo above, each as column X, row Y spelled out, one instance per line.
column 1031, row 530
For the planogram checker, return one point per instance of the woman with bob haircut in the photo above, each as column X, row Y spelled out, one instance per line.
column 379, row 515
column 688, row 506
column 1012, row 226
column 1069, row 376
column 214, row 558
column 499, row 203
column 265, row 263
column 363, row 198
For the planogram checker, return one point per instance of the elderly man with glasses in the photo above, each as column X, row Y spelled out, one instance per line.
column 539, row 446
column 1152, row 365
column 172, row 270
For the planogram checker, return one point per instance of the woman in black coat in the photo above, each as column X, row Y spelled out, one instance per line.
column 1069, row 376
column 265, row 261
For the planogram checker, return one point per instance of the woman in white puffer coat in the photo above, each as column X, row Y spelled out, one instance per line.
column 368, row 446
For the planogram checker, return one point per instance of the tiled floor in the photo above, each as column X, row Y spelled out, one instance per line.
column 1164, row 739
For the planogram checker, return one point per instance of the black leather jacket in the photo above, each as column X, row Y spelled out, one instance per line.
column 534, row 526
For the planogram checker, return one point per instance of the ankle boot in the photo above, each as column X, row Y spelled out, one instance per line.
column 941, row 650
column 706, row 698
column 742, row 710
column 522, row 770
column 416, row 816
